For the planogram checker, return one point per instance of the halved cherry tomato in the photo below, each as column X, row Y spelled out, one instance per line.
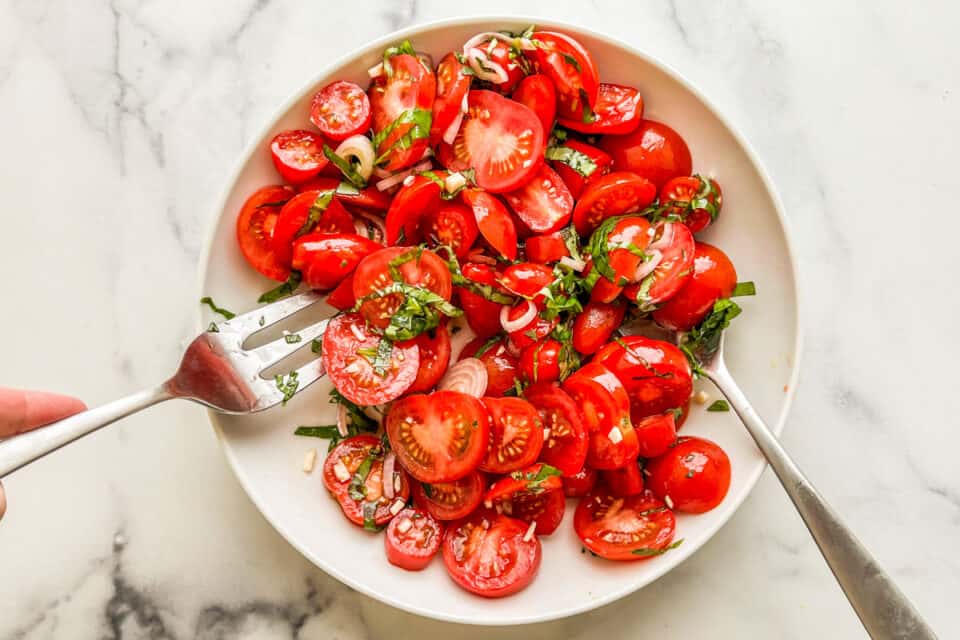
column 655, row 434
column 306, row 212
column 595, row 324
column 340, row 110
column 452, row 225
column 655, row 374
column 544, row 203
column 580, row 483
column 713, row 278
column 533, row 494
column 426, row 270
column 540, row 362
column 500, row 139
column 603, row 290
column 487, row 554
column 438, row 438
column 434, row 357
column 695, row 199
column 501, row 366
column 361, row 496
column 342, row 296
column 546, row 248
column 535, row 330
column 410, row 207
column 452, row 87
column 693, row 476
column 574, row 180
column 482, row 315
column 410, row 88
column 352, row 373
column 326, row 259
column 538, row 93
column 494, row 221
column 450, row 500
column 625, row 481
column 572, row 70
column 566, row 445
column 654, row 151
column 605, row 407
column 633, row 528
column 369, row 198
column 297, row 155
column 255, row 225
column 611, row 195
column 516, row 435
column 618, row 110
column 625, row 242
column 672, row 272
column 527, row 279
column 413, row 538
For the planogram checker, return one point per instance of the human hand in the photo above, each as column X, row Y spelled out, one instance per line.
column 22, row 410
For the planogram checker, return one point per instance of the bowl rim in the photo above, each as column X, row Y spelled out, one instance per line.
column 253, row 145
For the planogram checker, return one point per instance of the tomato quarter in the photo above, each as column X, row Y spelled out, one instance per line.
column 605, row 407
column 255, row 225
column 413, row 538
column 516, row 435
column 452, row 86
column 308, row 211
column 632, row 528
column 695, row 199
column 538, row 93
column 565, row 439
column 340, row 110
column 297, row 155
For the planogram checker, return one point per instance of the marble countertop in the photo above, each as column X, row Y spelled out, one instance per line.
column 119, row 121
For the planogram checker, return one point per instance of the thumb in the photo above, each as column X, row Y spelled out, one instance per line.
column 22, row 410
column 3, row 502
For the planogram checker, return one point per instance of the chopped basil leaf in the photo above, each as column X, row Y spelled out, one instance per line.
column 283, row 291
column 419, row 311
column 588, row 115
column 408, row 256
column 357, row 488
column 287, row 385
column 275, row 203
column 573, row 62
column 572, row 241
column 369, row 517
column 485, row 291
column 744, row 289
column 317, row 346
column 316, row 212
column 486, row 346
column 576, row 160
column 647, row 551
column 347, row 189
column 421, row 120
column 213, row 328
column 207, row 300
column 346, row 167
column 719, row 405
column 403, row 48
column 381, row 361
column 326, row 432
column 545, row 472
column 292, row 338
column 263, row 321
column 702, row 341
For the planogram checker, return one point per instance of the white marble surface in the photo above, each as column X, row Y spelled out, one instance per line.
column 119, row 121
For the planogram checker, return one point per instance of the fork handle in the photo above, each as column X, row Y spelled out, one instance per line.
column 883, row 609
column 20, row 450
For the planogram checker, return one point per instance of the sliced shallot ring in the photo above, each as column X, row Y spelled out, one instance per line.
column 646, row 268
column 389, row 466
column 460, row 336
column 361, row 148
column 573, row 263
column 665, row 239
column 342, row 420
column 519, row 323
column 467, row 376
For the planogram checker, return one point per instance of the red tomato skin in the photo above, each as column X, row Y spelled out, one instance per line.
column 593, row 327
column 544, row 203
column 570, row 81
column 483, row 316
column 693, row 476
column 452, row 224
column 369, row 198
column 350, row 450
column 654, row 151
column 494, row 221
column 640, row 522
column 536, row 329
column 574, row 181
column 546, row 249
column 340, row 110
column 527, row 279
column 618, row 111
column 546, row 509
column 297, row 155
column 566, row 446
column 342, row 297
column 684, row 414
column 406, row 552
column 625, row 481
column 514, row 425
column 427, row 270
column 580, row 483
column 410, row 207
column 452, row 86
column 255, row 224
column 326, row 259
column 467, row 493
column 683, row 190
column 537, row 92
column 611, row 195
column 434, row 358
column 605, row 405
column 412, row 86
column 501, row 366
column 674, row 270
column 540, row 362
column 714, row 277
column 655, row 434
column 294, row 215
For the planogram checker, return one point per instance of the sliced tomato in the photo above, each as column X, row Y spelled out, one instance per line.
column 593, row 327
column 533, row 494
column 633, row 528
column 527, row 280
column 342, row 296
column 572, row 70
column 450, row 500
column 501, row 366
column 625, row 481
column 546, row 248
column 618, row 110
column 540, row 362
column 255, row 224
column 297, row 155
column 684, row 410
column 714, row 277
column 625, row 244
column 452, row 225
column 340, row 110
column 369, row 198
column 361, row 494
column 452, row 86
column 413, row 538
column 503, row 55
column 326, row 259
column 410, row 207
column 575, row 180
column 605, row 407
column 500, row 139
column 654, row 151
column 693, row 475
column 604, row 290
column 672, row 272
column 409, row 89
column 441, row 437
column 308, row 211
column 493, row 220
column 516, row 435
column 544, row 203
column 611, row 195
column 427, row 271
column 482, row 315
column 537, row 329
column 565, row 438
column 697, row 200
column 580, row 483
column 434, row 357
column 655, row 434
column 655, row 374
column 489, row 555
column 537, row 92
column 345, row 344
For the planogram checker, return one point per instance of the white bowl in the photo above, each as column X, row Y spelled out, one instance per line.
column 763, row 348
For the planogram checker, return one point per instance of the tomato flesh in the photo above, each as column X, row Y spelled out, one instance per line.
column 540, row 362
column 537, row 92
column 656, row 433
column 516, row 435
column 714, row 277
column 327, row 259
column 255, row 225
column 452, row 87
column 574, row 180
column 527, row 280
column 340, row 110
column 611, row 195
column 546, row 248
column 413, row 537
column 297, row 155
column 565, row 447
column 427, row 271
column 450, row 500
column 452, row 225
column 580, row 483
column 367, row 506
column 493, row 221
column 637, row 527
column 434, row 348
column 693, row 475
column 572, row 70
column 617, row 111
column 544, row 203
column 531, row 495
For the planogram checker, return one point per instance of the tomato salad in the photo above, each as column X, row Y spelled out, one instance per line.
column 492, row 229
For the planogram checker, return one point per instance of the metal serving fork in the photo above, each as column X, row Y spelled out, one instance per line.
column 215, row 371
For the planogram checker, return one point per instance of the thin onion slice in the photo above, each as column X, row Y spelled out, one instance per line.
column 389, row 466
column 485, row 68
column 467, row 376
column 646, row 268
column 665, row 239
column 371, row 226
column 361, row 148
column 516, row 325
column 400, row 176
column 376, row 70
column 511, row 348
column 342, row 420
column 572, row 263
column 450, row 135
column 460, row 336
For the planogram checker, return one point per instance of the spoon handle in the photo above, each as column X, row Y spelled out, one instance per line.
column 883, row 609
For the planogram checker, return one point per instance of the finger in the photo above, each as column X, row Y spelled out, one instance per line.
column 22, row 410
column 3, row 502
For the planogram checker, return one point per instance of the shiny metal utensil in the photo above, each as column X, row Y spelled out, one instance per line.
column 215, row 371
column 883, row 609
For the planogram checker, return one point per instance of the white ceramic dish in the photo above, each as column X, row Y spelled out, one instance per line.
column 763, row 349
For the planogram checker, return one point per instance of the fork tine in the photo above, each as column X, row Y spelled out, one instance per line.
column 252, row 321
column 273, row 352
column 269, row 394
